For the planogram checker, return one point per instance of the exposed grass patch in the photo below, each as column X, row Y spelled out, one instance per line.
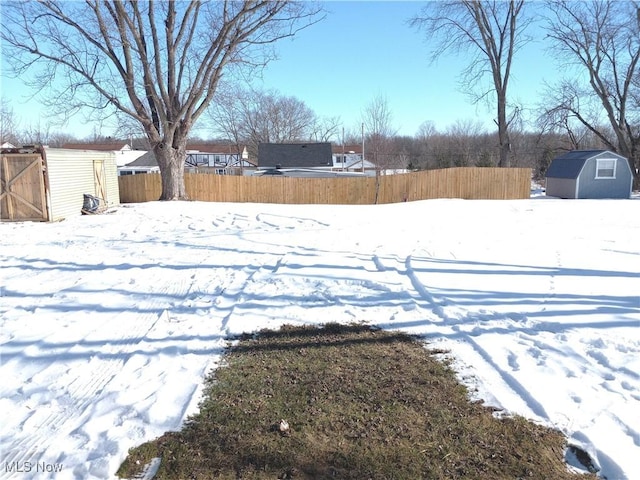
column 360, row 404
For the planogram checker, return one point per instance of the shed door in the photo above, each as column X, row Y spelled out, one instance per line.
column 22, row 191
column 99, row 179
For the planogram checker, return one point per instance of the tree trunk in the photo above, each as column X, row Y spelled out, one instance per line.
column 375, row 200
column 503, row 132
column 171, row 162
column 627, row 147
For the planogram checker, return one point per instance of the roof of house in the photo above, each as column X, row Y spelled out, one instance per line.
column 226, row 148
column 104, row 147
column 307, row 173
column 348, row 148
column 146, row 160
column 216, row 147
column 570, row 164
column 357, row 164
column 294, row 155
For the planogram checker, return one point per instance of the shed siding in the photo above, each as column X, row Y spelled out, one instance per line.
column 561, row 187
column 573, row 175
column 71, row 175
column 592, row 187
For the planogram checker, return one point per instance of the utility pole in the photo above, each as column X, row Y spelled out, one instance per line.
column 343, row 157
column 362, row 147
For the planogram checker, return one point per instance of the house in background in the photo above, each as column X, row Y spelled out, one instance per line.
column 295, row 159
column 220, row 160
column 213, row 154
column 295, row 155
column 589, row 174
column 348, row 158
column 124, row 154
column 310, row 159
column 146, row 163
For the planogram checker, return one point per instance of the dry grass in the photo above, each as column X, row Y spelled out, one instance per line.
column 360, row 403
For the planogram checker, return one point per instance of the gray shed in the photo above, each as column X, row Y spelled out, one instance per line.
column 589, row 174
column 49, row 184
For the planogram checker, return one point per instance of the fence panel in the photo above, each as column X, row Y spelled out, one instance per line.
column 463, row 182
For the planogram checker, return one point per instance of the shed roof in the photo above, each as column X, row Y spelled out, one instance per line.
column 570, row 164
column 294, row 155
column 112, row 146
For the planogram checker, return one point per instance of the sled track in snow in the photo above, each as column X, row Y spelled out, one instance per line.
column 72, row 405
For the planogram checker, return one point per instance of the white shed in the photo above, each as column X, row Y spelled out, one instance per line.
column 49, row 184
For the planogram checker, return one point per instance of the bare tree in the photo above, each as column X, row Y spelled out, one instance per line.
column 325, row 129
column 58, row 139
column 282, row 119
column 423, row 138
column 36, row 134
column 556, row 118
column 602, row 39
column 157, row 62
column 227, row 115
column 379, row 132
column 492, row 31
column 426, row 129
column 253, row 117
column 463, row 144
column 8, row 124
column 377, row 120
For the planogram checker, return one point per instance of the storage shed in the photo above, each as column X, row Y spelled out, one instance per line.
column 589, row 174
column 49, row 184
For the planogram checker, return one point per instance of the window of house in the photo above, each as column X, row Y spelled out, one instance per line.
column 606, row 168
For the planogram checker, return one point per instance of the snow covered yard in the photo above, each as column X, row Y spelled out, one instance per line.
column 109, row 323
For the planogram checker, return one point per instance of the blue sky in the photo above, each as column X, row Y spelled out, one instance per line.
column 364, row 49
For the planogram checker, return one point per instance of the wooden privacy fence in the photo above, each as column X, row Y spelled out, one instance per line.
column 464, row 182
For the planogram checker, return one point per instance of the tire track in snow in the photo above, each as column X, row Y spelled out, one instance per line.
column 513, row 384
column 449, row 313
column 232, row 294
column 72, row 406
column 440, row 307
column 278, row 222
column 437, row 304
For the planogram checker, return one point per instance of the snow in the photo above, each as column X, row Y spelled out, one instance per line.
column 109, row 323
